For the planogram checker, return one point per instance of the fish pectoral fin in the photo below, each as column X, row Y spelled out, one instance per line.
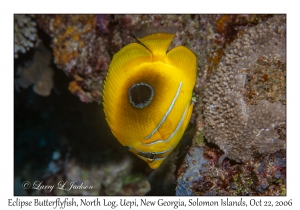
column 156, row 136
column 166, row 129
column 164, row 132
column 184, row 59
column 160, row 133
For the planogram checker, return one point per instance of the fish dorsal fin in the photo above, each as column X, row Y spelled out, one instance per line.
column 184, row 59
column 130, row 55
column 157, row 40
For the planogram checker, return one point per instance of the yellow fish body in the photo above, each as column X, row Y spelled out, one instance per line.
column 147, row 96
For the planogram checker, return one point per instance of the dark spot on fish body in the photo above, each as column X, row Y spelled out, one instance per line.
column 151, row 156
column 140, row 95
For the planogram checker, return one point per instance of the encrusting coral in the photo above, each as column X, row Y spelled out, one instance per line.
column 79, row 51
column 202, row 173
column 25, row 33
column 239, row 123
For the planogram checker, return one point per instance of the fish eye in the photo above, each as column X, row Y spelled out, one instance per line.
column 140, row 95
column 151, row 156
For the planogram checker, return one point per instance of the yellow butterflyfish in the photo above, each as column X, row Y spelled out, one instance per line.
column 147, row 95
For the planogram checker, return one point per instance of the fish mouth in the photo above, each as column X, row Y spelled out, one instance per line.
column 150, row 156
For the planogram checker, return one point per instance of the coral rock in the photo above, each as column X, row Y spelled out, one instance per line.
column 239, row 123
column 24, row 33
column 39, row 73
column 206, row 172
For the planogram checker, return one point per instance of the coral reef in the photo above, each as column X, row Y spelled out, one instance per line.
column 25, row 33
column 243, row 111
column 38, row 72
column 239, row 105
column 84, row 44
column 191, row 169
column 240, row 123
column 116, row 178
column 266, row 80
column 79, row 51
column 221, row 30
column 204, row 172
